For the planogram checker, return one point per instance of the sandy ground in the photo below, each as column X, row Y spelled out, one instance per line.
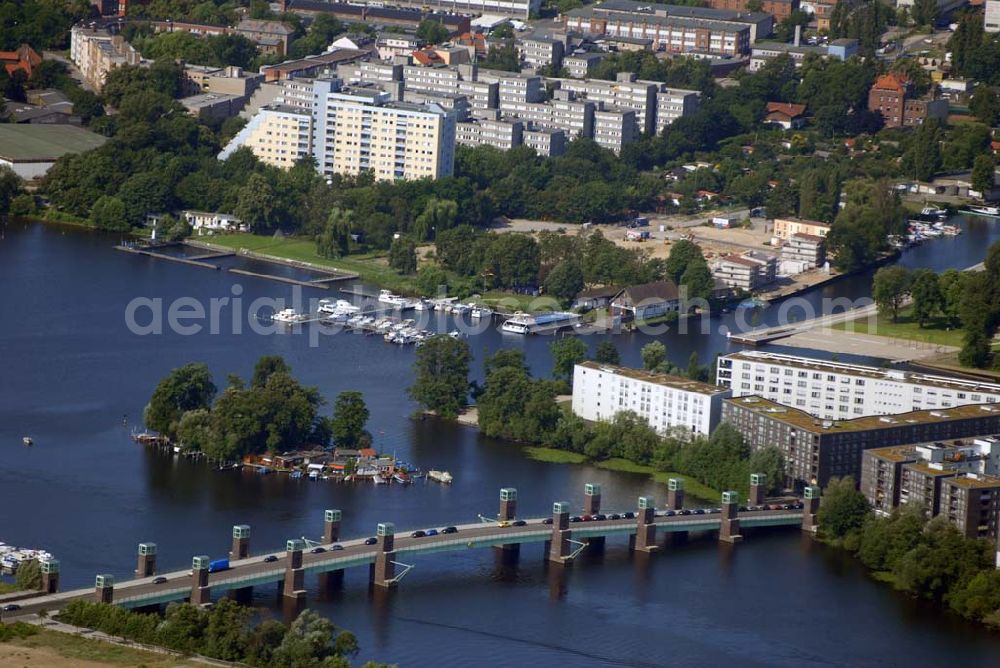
column 17, row 654
column 856, row 343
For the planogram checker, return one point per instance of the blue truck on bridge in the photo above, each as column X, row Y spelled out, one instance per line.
column 217, row 565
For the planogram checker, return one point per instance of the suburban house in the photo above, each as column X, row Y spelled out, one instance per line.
column 203, row 222
column 787, row 115
column 649, row 300
column 24, row 59
column 588, row 300
column 892, row 96
column 271, row 37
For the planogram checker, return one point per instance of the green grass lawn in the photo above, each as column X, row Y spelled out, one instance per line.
column 935, row 332
column 554, row 456
column 8, row 587
column 691, row 486
column 369, row 267
column 73, row 649
column 515, row 302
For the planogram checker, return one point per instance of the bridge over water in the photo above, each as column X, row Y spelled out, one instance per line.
column 387, row 554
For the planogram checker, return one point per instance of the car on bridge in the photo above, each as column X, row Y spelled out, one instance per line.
column 371, row 541
column 434, row 532
column 629, row 515
column 418, row 534
column 159, row 580
column 270, row 559
column 336, row 547
column 11, row 607
column 449, row 530
column 547, row 520
column 518, row 523
column 318, row 550
column 503, row 524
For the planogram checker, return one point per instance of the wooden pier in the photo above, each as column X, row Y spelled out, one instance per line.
column 280, row 279
column 194, row 262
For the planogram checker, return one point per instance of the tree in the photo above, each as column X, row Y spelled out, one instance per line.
column 312, row 640
column 226, row 634
column 267, row 366
column 503, row 359
column 403, row 255
column 925, row 12
column 607, row 353
column 983, row 174
column 985, row 104
column 682, row 254
column 255, row 204
column 350, row 415
column 843, row 509
column 653, row 354
column 926, row 294
column 566, row 354
column 923, row 159
column 952, row 286
column 10, row 187
column 187, row 388
column 335, row 240
column 432, row 32
column 108, row 213
column 890, row 288
column 698, row 280
column 29, row 575
column 441, row 371
column 564, row 281
column 516, row 407
column 194, row 431
column 770, row 461
column 438, row 215
column 511, row 261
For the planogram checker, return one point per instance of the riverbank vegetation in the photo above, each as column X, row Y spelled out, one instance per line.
column 224, row 632
column 959, row 308
column 928, row 559
column 514, row 406
column 274, row 412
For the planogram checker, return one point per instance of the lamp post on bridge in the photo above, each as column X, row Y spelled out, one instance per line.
column 331, row 580
column 645, row 526
column 201, row 593
column 758, row 488
column 592, row 506
column 383, row 570
column 810, row 500
column 559, row 546
column 729, row 523
column 104, row 588
column 241, row 542
column 146, row 560
column 50, row 575
column 509, row 552
column 675, row 493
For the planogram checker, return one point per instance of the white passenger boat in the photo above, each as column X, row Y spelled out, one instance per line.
column 290, row 316
column 479, row 312
column 985, row 210
column 442, row 477
column 389, row 299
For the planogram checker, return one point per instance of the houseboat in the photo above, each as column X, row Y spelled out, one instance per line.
column 539, row 323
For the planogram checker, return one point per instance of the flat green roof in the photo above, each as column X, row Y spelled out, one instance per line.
column 41, row 143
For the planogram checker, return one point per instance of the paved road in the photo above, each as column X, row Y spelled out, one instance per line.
column 256, row 571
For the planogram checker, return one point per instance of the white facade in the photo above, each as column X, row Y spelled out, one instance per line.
column 278, row 136
column 601, row 391
column 991, row 23
column 838, row 391
column 203, row 221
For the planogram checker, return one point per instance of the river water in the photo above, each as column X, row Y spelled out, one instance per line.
column 70, row 370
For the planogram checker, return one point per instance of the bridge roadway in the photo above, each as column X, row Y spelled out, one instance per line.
column 254, row 571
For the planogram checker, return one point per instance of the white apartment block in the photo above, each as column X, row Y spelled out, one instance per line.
column 838, row 391
column 625, row 92
column 991, row 23
column 513, row 86
column 614, row 127
column 674, row 103
column 501, row 134
column 361, row 129
column 667, row 403
column 278, row 135
column 450, row 101
column 370, row 71
column 390, row 45
column 541, row 52
column 571, row 116
column 95, row 51
column 547, row 142
column 579, row 65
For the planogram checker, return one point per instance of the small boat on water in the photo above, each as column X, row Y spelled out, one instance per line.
column 479, row 312
column 27, row 440
column 289, row 316
column 934, row 212
column 442, row 477
column 389, row 299
column 401, row 477
column 984, row 210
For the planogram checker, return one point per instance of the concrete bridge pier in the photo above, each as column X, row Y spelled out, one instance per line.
column 293, row 586
column 104, row 588
column 758, row 488
column 331, row 526
column 810, row 500
column 508, row 513
column 241, row 550
column 50, row 575
column 557, row 577
column 201, row 593
column 560, row 549
column 675, row 493
column 592, row 506
column 146, row 560
column 644, row 539
column 241, row 542
column 383, row 571
column 729, row 523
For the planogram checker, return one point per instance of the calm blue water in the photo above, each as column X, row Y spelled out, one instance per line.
column 70, row 370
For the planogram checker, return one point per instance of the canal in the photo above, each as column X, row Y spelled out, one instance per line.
column 70, row 370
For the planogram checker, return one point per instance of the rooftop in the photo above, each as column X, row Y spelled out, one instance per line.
column 662, row 10
column 675, row 382
column 802, row 420
column 974, row 481
column 895, row 453
column 933, row 471
column 44, row 143
column 860, row 370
